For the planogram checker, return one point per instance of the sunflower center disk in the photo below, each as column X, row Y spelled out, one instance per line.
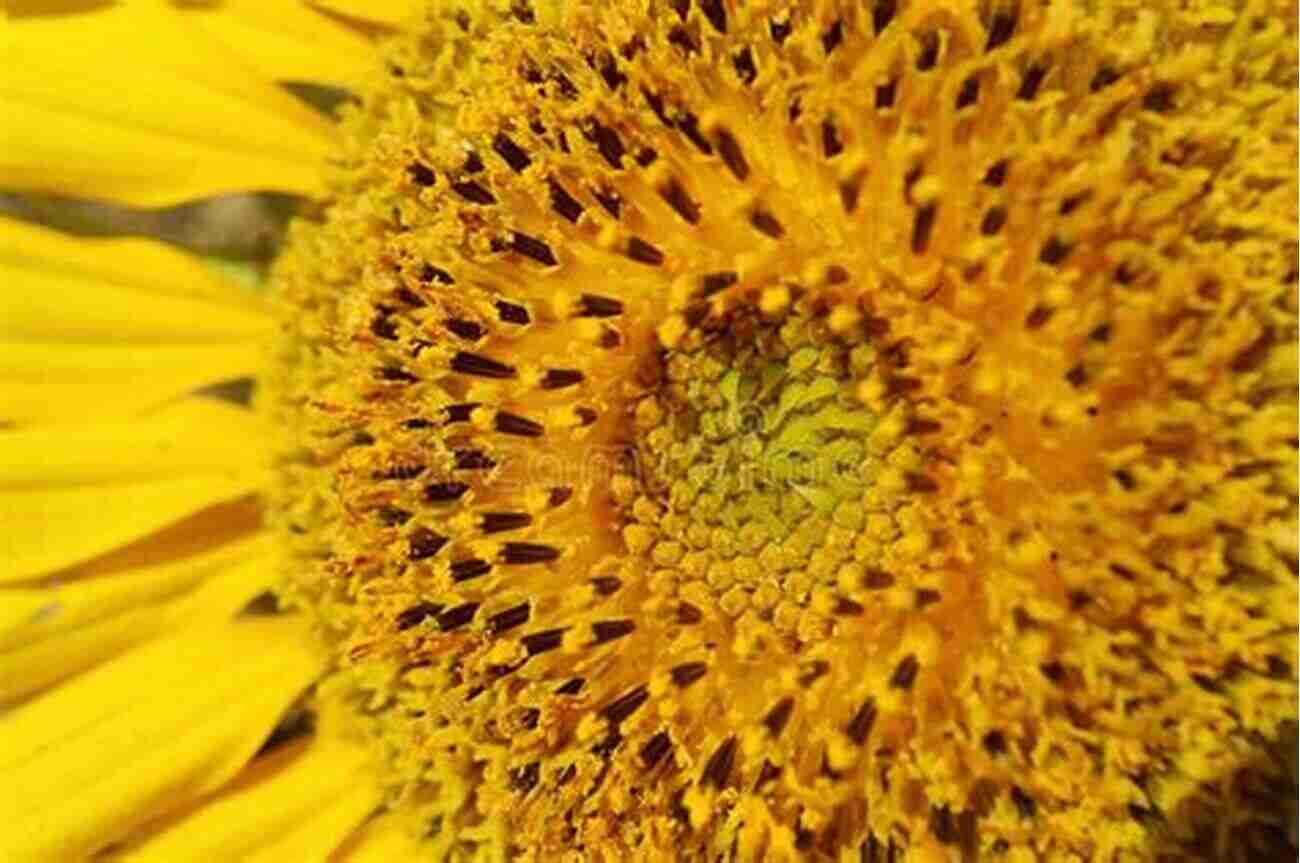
column 767, row 431
column 754, row 462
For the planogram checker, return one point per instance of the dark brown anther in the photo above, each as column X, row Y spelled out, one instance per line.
column 399, row 472
column 780, row 30
column 454, row 618
column 1053, row 671
column 500, row 522
column 570, row 687
column 558, row 496
column 688, row 614
column 969, row 92
column 886, row 94
column 646, row 156
column 1054, row 251
column 928, row 58
column 732, row 156
column 609, row 200
column 504, row 621
column 625, row 705
column 1077, row 376
column 680, row 37
column 766, row 223
column 480, row 366
column 1037, row 317
column 1001, row 27
column 511, row 313
column 996, row 175
column 557, row 379
column 564, row 203
column 922, row 227
column 779, row 716
column 406, row 295
column 424, row 544
column 592, row 306
column 603, row 631
column 473, row 567
column 905, row 674
column 472, row 192
column 688, row 672
column 511, row 152
column 846, row 607
column 473, row 459
column 716, row 13
column 882, row 13
column 392, row 516
column 430, row 273
column 540, row 642
column 766, row 774
column 995, row 743
column 525, row 778
column 642, row 252
column 859, row 727
column 445, row 492
column 1104, row 77
column 416, row 613
column 460, row 413
column 711, row 283
column 655, row 750
column 1160, row 98
column 943, row 825
column 925, row 597
column 528, row 552
column 395, row 374
column 743, row 62
column 531, row 247
column 606, row 585
column 586, row 415
column 1024, row 803
column 833, row 36
column 993, row 221
column 832, row 144
column 608, row 143
column 567, row 90
column 513, row 424
column 421, row 174
column 689, row 125
column 383, row 327
column 717, row 772
column 1032, row 80
column 467, row 330
column 608, row 69
column 674, row 195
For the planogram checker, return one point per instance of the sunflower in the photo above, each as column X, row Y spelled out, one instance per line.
column 716, row 430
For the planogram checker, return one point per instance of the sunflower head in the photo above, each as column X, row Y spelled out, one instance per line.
column 772, row 431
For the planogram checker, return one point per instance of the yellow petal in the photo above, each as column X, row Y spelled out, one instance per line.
column 392, row 13
column 197, row 534
column 128, row 102
column 301, row 809
column 69, row 289
column 193, row 435
column 49, row 382
column 146, row 734
column 384, row 840
column 50, row 633
column 118, row 324
column 45, row 529
column 289, row 41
